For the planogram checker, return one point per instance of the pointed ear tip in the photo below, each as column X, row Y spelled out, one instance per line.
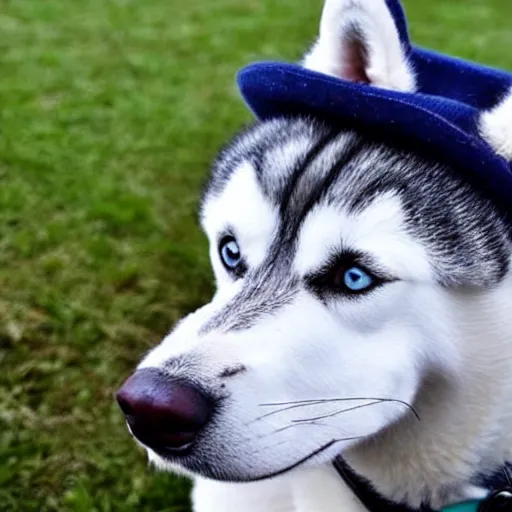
column 347, row 44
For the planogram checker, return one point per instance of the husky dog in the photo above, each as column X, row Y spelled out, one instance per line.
column 363, row 308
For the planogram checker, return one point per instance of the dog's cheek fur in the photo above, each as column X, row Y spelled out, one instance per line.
column 465, row 427
column 303, row 352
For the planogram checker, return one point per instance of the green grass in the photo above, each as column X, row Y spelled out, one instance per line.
column 110, row 111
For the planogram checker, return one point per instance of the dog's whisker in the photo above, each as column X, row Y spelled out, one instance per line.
column 319, row 401
column 337, row 412
column 314, row 423
column 282, row 410
column 284, row 441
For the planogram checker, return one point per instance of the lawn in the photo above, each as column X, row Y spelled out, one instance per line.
column 110, row 112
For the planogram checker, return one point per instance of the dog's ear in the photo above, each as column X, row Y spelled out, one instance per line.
column 359, row 42
column 496, row 127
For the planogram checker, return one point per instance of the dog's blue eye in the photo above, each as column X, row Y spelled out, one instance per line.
column 230, row 253
column 357, row 280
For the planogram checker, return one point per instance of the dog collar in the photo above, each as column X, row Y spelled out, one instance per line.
column 500, row 499
column 471, row 506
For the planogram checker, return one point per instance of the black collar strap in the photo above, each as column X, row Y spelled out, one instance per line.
column 499, row 501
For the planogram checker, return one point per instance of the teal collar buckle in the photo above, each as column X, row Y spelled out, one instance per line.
column 468, row 506
column 498, row 502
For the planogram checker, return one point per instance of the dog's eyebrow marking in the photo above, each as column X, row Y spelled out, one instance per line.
column 232, row 371
column 379, row 231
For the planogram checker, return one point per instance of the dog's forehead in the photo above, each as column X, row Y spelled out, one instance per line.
column 292, row 167
column 274, row 149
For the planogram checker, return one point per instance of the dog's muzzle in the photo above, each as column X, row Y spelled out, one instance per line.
column 164, row 414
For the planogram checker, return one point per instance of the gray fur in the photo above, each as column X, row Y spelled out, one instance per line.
column 468, row 243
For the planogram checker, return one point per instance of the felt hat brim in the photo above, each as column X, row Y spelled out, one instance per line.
column 439, row 127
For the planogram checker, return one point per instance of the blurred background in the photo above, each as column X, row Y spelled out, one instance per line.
column 110, row 112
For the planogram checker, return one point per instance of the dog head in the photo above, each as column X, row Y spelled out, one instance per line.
column 342, row 263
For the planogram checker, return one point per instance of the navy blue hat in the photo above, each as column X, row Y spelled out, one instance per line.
column 442, row 114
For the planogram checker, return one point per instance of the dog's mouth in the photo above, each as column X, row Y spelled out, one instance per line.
column 167, row 445
column 175, row 421
column 196, row 459
column 188, row 460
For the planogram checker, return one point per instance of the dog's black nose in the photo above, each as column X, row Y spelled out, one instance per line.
column 163, row 414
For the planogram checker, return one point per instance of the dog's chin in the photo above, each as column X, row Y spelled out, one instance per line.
column 166, row 464
column 223, row 468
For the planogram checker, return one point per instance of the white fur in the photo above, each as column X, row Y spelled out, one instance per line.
column 387, row 66
column 390, row 243
column 448, row 351
column 378, row 347
column 464, row 421
column 273, row 495
column 496, row 127
column 305, row 491
column 243, row 208
column 466, row 424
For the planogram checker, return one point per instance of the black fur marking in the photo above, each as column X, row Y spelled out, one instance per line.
column 302, row 162
column 273, row 285
column 298, row 171
column 231, row 372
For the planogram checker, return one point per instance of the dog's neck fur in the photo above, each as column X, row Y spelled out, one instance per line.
column 461, row 433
